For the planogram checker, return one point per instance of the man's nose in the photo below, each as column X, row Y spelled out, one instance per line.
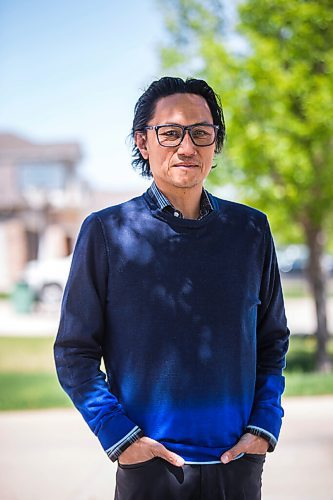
column 187, row 147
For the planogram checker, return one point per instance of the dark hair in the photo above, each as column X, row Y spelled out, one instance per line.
column 145, row 109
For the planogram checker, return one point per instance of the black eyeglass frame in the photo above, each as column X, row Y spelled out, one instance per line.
column 184, row 128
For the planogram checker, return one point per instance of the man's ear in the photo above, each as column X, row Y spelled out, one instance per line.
column 141, row 142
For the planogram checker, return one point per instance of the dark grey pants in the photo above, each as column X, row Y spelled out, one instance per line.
column 156, row 479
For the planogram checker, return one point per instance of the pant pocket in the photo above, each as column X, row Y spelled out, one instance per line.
column 138, row 465
column 254, row 457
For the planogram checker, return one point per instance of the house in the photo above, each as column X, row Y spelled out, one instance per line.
column 43, row 200
column 41, row 197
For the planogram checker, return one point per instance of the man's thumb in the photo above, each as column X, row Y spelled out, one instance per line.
column 171, row 457
column 231, row 454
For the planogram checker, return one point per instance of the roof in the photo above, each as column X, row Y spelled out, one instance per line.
column 15, row 148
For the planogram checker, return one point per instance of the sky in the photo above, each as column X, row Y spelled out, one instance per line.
column 73, row 71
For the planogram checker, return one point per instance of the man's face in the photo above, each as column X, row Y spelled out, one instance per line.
column 186, row 165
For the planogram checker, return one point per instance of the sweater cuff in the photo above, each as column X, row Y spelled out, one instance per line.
column 257, row 431
column 116, row 450
column 267, row 411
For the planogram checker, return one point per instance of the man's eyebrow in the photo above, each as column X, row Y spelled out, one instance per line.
column 203, row 123
column 191, row 125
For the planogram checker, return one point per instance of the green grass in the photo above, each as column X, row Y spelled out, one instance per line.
column 27, row 391
column 308, row 384
column 301, row 378
column 28, row 379
column 301, row 354
column 26, row 354
column 27, row 374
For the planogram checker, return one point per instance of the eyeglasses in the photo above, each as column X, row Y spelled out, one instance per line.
column 173, row 135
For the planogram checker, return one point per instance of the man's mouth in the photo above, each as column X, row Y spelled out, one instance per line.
column 186, row 165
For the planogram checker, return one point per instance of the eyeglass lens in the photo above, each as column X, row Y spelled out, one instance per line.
column 171, row 135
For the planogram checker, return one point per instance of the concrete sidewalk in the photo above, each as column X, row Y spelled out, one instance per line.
column 300, row 313
column 52, row 454
column 34, row 324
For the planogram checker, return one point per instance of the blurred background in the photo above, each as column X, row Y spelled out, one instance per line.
column 71, row 73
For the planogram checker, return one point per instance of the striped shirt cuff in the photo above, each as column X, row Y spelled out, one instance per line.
column 115, row 450
column 257, row 431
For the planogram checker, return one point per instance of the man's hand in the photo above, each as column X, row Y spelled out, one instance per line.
column 248, row 443
column 144, row 449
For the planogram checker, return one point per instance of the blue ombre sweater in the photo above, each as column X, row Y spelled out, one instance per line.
column 188, row 316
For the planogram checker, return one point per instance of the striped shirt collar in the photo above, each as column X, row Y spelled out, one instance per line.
column 164, row 204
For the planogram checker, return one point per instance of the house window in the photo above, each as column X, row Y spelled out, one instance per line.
column 46, row 176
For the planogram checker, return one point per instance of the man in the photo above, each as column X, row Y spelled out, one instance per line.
column 179, row 292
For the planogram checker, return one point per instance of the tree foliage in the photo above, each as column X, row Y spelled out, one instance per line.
column 277, row 93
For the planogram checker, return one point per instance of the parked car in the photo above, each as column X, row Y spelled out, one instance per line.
column 47, row 278
column 293, row 260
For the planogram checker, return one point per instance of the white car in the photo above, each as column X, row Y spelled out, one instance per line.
column 47, row 278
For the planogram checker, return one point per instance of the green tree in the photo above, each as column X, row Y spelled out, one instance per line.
column 277, row 91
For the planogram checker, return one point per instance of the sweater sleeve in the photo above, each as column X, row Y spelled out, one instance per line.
column 272, row 346
column 78, row 345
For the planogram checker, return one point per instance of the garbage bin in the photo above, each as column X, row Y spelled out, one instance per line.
column 23, row 298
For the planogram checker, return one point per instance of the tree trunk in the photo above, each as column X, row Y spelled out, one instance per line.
column 318, row 284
